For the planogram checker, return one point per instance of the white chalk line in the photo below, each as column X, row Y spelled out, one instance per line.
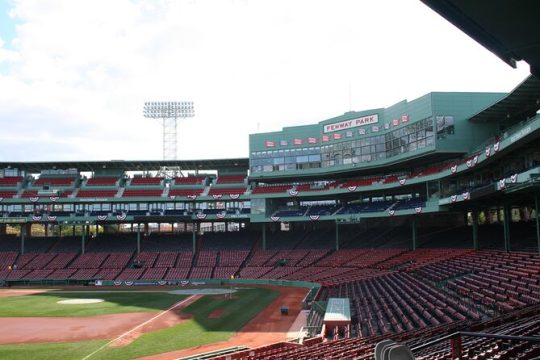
column 140, row 325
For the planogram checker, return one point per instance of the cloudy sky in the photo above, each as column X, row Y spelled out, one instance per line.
column 74, row 74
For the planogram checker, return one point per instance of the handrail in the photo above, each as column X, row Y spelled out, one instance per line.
column 535, row 339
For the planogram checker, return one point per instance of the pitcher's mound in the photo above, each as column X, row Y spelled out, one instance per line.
column 80, row 301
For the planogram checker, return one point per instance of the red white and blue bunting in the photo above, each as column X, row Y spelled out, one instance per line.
column 34, row 198
column 53, row 198
column 36, row 218
column 488, row 151
column 466, row 195
column 121, row 217
column 201, row 216
column 192, row 197
column 314, row 217
column 391, row 212
column 502, row 184
column 221, row 215
column 172, row 197
column 418, row 210
column 402, row 181
column 102, row 217
column 453, row 169
column 351, row 188
column 1, row 198
column 217, row 196
column 293, row 192
column 453, row 198
column 234, row 196
column 514, row 178
column 51, row 218
column 275, row 218
column 497, row 146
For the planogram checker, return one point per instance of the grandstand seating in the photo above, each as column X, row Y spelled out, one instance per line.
column 102, row 181
column 146, row 181
column 86, row 193
column 10, row 181
column 129, row 192
column 230, row 179
column 55, row 181
column 189, row 180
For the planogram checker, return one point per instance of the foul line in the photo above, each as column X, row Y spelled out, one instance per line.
column 141, row 325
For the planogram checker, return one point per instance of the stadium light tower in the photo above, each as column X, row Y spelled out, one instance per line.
column 169, row 112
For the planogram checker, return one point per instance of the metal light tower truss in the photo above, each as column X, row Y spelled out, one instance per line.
column 169, row 112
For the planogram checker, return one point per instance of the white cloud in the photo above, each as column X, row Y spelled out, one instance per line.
column 88, row 66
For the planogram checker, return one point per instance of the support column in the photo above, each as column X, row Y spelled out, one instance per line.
column 83, row 239
column 23, row 231
column 46, row 229
column 264, row 236
column 413, row 225
column 506, row 227
column 475, row 229
column 73, row 230
column 337, row 235
column 138, row 239
column 455, row 344
column 3, row 228
column 536, row 205
column 194, row 237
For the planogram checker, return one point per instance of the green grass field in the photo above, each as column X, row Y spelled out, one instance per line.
column 46, row 304
column 199, row 330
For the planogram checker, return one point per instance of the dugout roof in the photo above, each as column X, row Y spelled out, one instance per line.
column 509, row 29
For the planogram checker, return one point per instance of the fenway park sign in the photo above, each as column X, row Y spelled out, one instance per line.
column 348, row 124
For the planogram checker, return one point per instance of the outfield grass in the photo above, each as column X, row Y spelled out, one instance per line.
column 45, row 304
column 200, row 330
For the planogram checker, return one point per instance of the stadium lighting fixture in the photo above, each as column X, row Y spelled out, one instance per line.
column 169, row 112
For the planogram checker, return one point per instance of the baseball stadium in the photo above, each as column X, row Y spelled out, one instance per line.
column 409, row 231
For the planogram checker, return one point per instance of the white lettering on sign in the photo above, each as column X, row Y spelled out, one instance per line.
column 347, row 124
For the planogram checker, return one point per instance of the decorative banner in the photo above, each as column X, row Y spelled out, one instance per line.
column 314, row 217
column 234, row 196
column 201, row 216
column 404, row 118
column 298, row 142
column 336, row 136
column 128, row 283
column 497, row 146
column 1, row 198
column 387, row 126
column 325, row 138
column 191, row 197
column 184, row 282
column 375, row 128
column 220, row 215
column 274, row 218
column 391, row 212
column 217, row 196
column 36, row 218
column 453, row 198
column 283, row 142
column 117, row 283
column 102, row 217
column 453, row 169
column 469, row 163
column 312, row 140
column 395, row 122
column 488, row 151
column 475, row 160
column 53, row 198
column 162, row 282
column 466, row 195
column 172, row 197
column 34, row 198
column 502, row 184
column 51, row 218
column 351, row 188
column 418, row 210
column 121, row 217
column 514, row 178
column 402, row 181
column 269, row 143
column 347, row 124
column 293, row 192
column 362, row 131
